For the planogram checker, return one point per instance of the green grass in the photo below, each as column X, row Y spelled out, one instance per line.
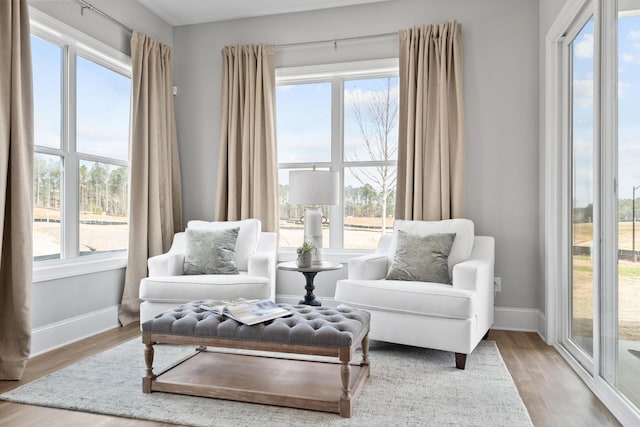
column 630, row 273
column 628, row 297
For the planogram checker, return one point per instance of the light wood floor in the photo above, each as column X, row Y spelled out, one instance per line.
column 551, row 391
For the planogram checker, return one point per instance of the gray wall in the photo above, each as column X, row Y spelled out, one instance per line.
column 57, row 300
column 60, row 299
column 501, row 54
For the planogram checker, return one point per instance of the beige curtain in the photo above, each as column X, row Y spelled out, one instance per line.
column 16, row 188
column 156, row 196
column 247, row 167
column 431, row 131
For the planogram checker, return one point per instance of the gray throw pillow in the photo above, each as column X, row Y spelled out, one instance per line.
column 422, row 258
column 211, row 251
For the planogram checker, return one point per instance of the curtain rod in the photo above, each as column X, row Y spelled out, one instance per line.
column 335, row 41
column 86, row 5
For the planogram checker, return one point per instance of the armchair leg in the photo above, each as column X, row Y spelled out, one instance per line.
column 461, row 360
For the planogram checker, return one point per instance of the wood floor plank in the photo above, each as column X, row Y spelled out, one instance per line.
column 553, row 394
column 59, row 358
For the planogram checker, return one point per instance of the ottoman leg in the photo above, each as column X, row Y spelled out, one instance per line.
column 345, row 399
column 148, row 360
column 365, row 351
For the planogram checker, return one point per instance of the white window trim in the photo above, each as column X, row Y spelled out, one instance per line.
column 306, row 73
column 51, row 29
column 47, row 270
column 46, row 26
column 555, row 258
column 334, row 73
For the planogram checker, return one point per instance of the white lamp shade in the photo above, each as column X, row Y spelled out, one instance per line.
column 313, row 187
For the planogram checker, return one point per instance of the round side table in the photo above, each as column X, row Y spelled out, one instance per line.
column 310, row 274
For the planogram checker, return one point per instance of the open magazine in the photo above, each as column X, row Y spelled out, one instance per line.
column 245, row 311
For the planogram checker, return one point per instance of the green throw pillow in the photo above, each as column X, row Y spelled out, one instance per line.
column 211, row 251
column 422, row 258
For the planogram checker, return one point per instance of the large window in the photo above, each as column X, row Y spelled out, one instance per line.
column 345, row 119
column 82, row 95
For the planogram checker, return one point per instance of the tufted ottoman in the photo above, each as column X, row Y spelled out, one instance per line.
column 255, row 376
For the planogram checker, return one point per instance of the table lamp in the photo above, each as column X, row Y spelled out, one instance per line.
column 313, row 188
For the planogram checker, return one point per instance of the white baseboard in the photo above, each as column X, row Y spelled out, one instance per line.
column 58, row 334
column 519, row 319
column 542, row 326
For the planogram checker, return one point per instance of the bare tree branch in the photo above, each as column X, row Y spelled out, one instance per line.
column 377, row 119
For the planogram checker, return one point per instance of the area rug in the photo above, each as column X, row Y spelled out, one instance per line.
column 407, row 386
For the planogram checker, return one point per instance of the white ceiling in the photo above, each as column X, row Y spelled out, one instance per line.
column 186, row 12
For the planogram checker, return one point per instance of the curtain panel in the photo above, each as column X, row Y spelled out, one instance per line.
column 247, row 168
column 430, row 176
column 155, row 211
column 16, row 188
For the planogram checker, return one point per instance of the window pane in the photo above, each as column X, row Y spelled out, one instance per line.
column 303, row 114
column 369, row 204
column 371, row 119
column 292, row 216
column 628, row 363
column 103, row 105
column 103, row 199
column 47, row 89
column 47, row 183
column 582, row 153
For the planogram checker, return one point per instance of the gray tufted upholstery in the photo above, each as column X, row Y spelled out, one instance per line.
column 324, row 326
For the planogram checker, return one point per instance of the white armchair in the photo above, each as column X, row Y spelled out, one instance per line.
column 167, row 287
column 451, row 317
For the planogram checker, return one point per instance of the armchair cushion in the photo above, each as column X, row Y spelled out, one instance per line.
column 247, row 241
column 422, row 258
column 425, row 299
column 211, row 251
column 180, row 289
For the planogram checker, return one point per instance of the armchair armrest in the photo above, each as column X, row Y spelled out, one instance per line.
column 476, row 273
column 261, row 264
column 169, row 264
column 368, row 267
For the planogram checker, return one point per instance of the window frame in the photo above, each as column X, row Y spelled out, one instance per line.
column 74, row 43
column 337, row 74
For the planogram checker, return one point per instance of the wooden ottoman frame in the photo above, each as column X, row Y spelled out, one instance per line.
column 251, row 376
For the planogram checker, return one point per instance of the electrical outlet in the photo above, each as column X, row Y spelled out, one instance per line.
column 497, row 284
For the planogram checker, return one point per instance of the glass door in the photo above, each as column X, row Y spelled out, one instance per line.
column 580, row 56
column 627, row 372
column 597, row 54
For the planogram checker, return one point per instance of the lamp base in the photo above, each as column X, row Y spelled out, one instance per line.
column 313, row 232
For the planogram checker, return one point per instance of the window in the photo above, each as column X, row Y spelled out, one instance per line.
column 342, row 118
column 82, row 93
